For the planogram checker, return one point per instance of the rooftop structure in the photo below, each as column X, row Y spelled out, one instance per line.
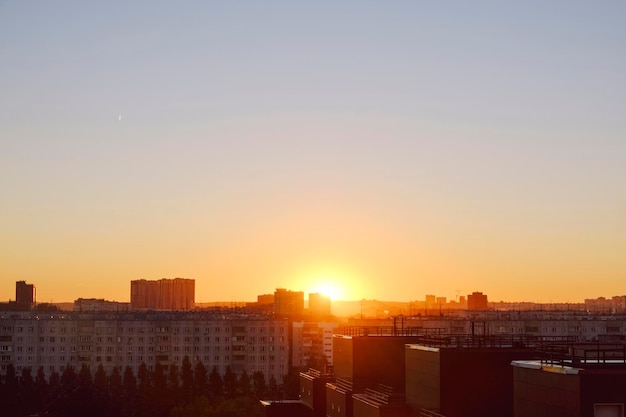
column 463, row 375
column 573, row 380
column 288, row 302
column 313, row 390
column 380, row 402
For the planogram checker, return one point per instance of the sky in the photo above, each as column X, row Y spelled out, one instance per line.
column 366, row 149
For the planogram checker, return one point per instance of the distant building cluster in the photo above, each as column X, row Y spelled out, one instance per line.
column 446, row 359
column 291, row 303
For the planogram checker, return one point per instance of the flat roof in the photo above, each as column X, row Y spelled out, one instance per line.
column 547, row 367
column 421, row 347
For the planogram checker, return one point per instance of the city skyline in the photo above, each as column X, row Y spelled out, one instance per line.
column 358, row 149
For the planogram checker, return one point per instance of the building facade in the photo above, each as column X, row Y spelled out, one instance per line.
column 163, row 294
column 54, row 341
column 311, row 339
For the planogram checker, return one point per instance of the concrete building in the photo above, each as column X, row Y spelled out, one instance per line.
column 311, row 339
column 362, row 363
column 313, row 390
column 54, row 341
column 164, row 294
column 339, row 398
column 572, row 380
column 463, row 376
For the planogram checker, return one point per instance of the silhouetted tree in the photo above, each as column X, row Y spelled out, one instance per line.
column 10, row 392
column 130, row 391
column 230, row 383
column 101, row 393
column 66, row 403
column 84, row 394
column 173, row 387
column 216, row 384
column 144, row 387
column 245, row 386
column 291, row 383
column 186, row 376
column 273, row 388
column 41, row 391
column 258, row 385
column 158, row 393
column 200, row 381
column 54, row 391
column 27, row 391
column 116, row 392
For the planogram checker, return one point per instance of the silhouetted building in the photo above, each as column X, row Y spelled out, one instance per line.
column 462, row 376
column 163, row 294
column 313, row 390
column 339, row 398
column 265, row 299
column 576, row 380
column 288, row 302
column 367, row 362
column 477, row 301
column 24, row 295
column 319, row 304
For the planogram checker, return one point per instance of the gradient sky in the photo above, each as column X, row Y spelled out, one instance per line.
column 389, row 149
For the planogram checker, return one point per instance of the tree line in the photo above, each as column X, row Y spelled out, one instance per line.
column 190, row 390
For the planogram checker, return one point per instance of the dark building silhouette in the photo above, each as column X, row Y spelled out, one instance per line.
column 477, row 301
column 463, row 377
column 288, row 302
column 575, row 380
column 313, row 390
column 362, row 364
column 24, row 295
column 339, row 398
column 319, row 304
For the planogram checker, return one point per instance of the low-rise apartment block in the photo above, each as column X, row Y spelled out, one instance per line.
column 54, row 341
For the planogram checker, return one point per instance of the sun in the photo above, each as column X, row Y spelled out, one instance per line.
column 327, row 287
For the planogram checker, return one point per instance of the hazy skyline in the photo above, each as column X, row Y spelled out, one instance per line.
column 389, row 149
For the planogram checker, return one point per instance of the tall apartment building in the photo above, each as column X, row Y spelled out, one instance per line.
column 288, row 302
column 54, row 341
column 24, row 295
column 163, row 294
column 477, row 301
